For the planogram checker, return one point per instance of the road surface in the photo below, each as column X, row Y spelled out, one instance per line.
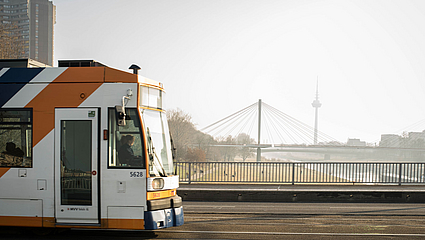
column 245, row 220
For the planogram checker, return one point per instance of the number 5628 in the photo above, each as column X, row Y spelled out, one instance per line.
column 136, row 174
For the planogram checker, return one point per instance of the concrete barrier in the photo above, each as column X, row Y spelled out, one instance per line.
column 349, row 194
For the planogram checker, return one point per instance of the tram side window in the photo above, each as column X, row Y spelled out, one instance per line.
column 15, row 138
column 126, row 148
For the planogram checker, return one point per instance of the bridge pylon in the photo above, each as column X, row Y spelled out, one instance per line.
column 259, row 131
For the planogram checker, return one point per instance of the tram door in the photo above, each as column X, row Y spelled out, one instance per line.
column 76, row 160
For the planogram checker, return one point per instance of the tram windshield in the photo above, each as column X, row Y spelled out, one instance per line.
column 158, row 141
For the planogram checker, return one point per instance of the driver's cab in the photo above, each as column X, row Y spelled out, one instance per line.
column 141, row 143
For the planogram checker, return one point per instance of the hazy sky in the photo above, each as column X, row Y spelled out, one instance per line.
column 217, row 57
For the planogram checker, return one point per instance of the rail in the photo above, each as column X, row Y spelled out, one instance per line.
column 301, row 172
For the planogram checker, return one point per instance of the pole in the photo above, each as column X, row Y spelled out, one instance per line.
column 293, row 173
column 259, row 131
column 190, row 172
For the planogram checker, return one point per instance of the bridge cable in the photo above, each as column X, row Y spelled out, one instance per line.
column 236, row 124
column 265, row 123
column 301, row 126
column 247, row 120
column 226, row 120
column 273, row 123
column 281, row 137
column 292, row 126
column 230, row 116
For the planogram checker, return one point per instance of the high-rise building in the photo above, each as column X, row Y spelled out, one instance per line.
column 33, row 22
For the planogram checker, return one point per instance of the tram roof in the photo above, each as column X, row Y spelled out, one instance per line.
column 71, row 71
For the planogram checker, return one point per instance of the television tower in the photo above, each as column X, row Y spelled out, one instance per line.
column 316, row 104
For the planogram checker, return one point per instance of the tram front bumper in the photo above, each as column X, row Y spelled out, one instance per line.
column 164, row 213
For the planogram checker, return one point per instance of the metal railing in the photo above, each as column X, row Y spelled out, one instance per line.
column 80, row 182
column 301, row 172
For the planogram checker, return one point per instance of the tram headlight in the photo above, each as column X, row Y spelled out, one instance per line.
column 158, row 183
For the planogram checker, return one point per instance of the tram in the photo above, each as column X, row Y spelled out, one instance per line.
column 84, row 145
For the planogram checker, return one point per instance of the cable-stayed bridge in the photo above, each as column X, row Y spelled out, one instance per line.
column 275, row 131
column 268, row 123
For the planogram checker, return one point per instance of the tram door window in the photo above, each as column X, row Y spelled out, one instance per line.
column 76, row 162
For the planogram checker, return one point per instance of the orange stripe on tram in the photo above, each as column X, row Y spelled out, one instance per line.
column 3, row 171
column 61, row 95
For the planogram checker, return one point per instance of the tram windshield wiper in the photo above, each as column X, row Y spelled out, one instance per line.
column 153, row 157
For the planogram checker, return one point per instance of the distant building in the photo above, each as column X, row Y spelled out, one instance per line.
column 21, row 63
column 355, row 142
column 417, row 135
column 411, row 140
column 390, row 140
column 35, row 21
column 416, row 139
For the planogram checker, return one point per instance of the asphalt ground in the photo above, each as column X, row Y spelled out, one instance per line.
column 265, row 220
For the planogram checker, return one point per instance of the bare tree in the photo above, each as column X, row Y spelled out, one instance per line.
column 228, row 152
column 182, row 131
column 245, row 151
column 195, row 155
column 205, row 142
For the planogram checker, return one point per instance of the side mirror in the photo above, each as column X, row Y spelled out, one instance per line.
column 120, row 115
